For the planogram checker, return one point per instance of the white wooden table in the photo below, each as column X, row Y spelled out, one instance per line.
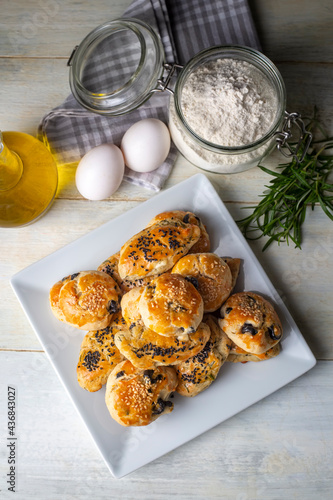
column 280, row 448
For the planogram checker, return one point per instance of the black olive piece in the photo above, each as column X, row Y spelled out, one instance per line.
column 248, row 328
column 252, row 299
column 120, row 374
column 186, row 218
column 161, row 405
column 228, row 310
column 193, row 280
column 271, row 333
column 73, row 276
column 148, row 376
column 112, row 306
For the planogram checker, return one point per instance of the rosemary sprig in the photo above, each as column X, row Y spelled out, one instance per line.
column 281, row 212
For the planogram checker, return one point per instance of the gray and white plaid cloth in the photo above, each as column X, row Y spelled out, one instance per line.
column 185, row 28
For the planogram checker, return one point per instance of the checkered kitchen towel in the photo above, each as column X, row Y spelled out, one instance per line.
column 185, row 28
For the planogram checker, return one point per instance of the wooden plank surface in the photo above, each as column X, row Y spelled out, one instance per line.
column 280, row 448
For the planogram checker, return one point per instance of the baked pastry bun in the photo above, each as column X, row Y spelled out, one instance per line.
column 156, row 249
column 146, row 349
column 137, row 397
column 54, row 298
column 251, row 322
column 130, row 307
column 170, row 305
column 203, row 243
column 198, row 372
column 110, row 267
column 87, row 300
column 98, row 356
column 238, row 355
column 210, row 275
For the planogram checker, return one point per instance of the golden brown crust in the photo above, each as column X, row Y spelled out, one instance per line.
column 251, row 322
column 171, row 305
column 54, row 298
column 130, row 306
column 87, row 300
column 203, row 243
column 110, row 267
column 93, row 368
column 98, row 356
column 137, row 397
column 211, row 276
column 156, row 249
column 238, row 355
column 146, row 349
column 198, row 372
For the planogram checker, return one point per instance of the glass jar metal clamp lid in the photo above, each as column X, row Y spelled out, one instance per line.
column 121, row 64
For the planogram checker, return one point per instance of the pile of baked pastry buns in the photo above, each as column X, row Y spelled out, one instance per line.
column 161, row 317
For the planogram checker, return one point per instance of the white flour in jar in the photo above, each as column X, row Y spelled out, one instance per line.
column 227, row 102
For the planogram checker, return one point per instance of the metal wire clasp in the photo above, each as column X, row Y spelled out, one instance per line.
column 282, row 137
column 69, row 62
column 162, row 83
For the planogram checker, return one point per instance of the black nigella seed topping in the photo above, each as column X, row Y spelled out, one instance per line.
column 270, row 330
column 91, row 360
column 228, row 310
column 120, row 374
column 248, row 328
column 112, row 306
column 203, row 355
column 108, row 270
column 193, row 280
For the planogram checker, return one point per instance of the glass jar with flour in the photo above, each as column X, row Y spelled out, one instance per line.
column 227, row 106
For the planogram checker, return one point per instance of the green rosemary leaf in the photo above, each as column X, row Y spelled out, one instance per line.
column 324, row 207
column 281, row 212
column 271, row 172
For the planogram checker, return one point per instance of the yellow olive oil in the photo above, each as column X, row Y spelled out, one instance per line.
column 28, row 179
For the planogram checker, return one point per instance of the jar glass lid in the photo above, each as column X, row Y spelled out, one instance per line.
column 116, row 67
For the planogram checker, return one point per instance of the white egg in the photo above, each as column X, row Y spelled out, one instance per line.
column 145, row 145
column 100, row 172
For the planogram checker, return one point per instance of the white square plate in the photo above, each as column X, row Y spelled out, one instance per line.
column 126, row 449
